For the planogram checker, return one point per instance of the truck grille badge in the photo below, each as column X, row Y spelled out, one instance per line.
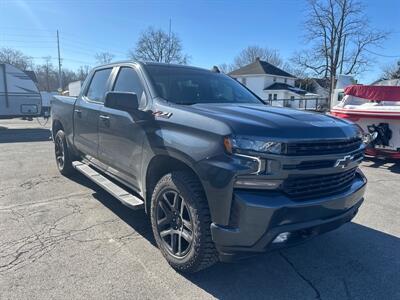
column 344, row 162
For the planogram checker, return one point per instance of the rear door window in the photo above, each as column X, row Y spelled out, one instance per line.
column 98, row 85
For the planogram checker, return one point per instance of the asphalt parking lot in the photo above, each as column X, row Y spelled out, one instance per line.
column 68, row 239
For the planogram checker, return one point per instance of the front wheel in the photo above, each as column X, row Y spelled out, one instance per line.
column 181, row 221
column 63, row 157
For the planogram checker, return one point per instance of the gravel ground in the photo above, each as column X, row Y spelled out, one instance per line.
column 68, row 239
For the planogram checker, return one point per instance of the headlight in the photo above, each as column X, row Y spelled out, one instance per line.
column 360, row 132
column 251, row 144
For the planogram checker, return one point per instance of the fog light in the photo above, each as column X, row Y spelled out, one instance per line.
column 281, row 238
column 257, row 184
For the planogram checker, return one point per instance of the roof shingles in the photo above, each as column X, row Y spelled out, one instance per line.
column 260, row 67
column 283, row 86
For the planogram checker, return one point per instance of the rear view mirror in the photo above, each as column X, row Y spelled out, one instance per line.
column 122, row 101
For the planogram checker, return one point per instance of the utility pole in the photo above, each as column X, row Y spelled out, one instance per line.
column 59, row 64
column 341, row 62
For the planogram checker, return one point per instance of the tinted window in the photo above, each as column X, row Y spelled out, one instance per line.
column 129, row 81
column 184, row 85
column 98, row 85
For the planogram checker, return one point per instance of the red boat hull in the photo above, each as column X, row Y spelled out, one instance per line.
column 384, row 153
column 355, row 116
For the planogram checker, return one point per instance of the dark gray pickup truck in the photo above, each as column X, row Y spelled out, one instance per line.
column 219, row 172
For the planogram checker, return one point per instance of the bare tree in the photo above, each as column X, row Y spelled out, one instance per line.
column 47, row 67
column 391, row 71
column 82, row 72
column 104, row 58
column 226, row 68
column 159, row 46
column 15, row 58
column 47, row 75
column 293, row 70
column 340, row 39
column 251, row 53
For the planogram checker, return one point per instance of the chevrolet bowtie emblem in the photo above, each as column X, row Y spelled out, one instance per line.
column 344, row 162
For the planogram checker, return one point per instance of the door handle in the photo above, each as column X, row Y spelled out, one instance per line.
column 104, row 117
column 106, row 120
column 78, row 112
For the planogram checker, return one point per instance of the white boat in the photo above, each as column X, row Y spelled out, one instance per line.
column 376, row 109
column 19, row 95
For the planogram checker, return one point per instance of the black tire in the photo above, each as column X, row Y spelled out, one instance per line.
column 200, row 252
column 62, row 154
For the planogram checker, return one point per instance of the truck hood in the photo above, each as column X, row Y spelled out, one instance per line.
column 276, row 123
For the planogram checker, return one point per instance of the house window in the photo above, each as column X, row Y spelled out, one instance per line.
column 274, row 79
column 269, row 96
column 291, row 98
column 244, row 80
column 275, row 96
column 285, row 80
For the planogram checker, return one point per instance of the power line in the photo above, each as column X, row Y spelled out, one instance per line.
column 73, row 50
column 84, row 50
column 26, row 29
column 20, row 43
column 69, row 38
column 63, row 59
column 54, row 47
column 90, row 46
column 28, row 47
column 25, row 35
column 383, row 55
column 27, row 42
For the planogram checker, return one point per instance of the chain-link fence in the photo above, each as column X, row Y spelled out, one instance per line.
column 314, row 104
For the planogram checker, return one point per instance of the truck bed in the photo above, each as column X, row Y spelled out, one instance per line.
column 62, row 109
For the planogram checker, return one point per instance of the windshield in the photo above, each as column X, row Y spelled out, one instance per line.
column 190, row 86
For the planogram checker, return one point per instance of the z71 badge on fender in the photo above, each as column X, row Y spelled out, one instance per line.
column 162, row 114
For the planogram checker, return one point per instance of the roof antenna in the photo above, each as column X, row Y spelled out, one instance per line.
column 215, row 69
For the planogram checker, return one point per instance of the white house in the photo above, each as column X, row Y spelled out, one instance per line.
column 273, row 85
column 390, row 82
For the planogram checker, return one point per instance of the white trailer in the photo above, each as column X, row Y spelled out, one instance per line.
column 47, row 97
column 19, row 95
column 74, row 88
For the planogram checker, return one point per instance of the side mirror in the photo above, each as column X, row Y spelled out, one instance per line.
column 122, row 101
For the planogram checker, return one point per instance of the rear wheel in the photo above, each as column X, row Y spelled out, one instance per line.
column 62, row 154
column 181, row 222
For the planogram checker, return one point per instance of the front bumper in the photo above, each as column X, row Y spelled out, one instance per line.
column 259, row 217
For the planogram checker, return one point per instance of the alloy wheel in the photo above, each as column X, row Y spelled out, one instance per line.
column 59, row 150
column 174, row 223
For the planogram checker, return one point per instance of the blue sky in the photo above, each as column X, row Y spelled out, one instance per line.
column 212, row 32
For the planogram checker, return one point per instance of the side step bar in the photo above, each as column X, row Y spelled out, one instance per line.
column 122, row 195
